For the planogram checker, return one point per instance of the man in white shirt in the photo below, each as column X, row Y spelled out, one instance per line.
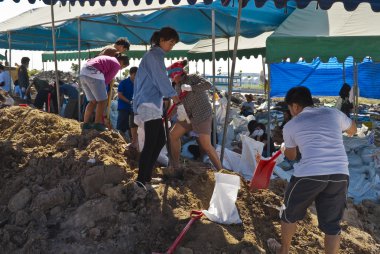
column 322, row 173
column 5, row 79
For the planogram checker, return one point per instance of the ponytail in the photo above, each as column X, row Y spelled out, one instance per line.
column 166, row 33
column 155, row 39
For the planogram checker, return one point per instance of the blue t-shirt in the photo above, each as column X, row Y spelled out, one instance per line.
column 69, row 91
column 126, row 88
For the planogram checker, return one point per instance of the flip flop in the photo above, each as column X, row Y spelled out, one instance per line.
column 273, row 245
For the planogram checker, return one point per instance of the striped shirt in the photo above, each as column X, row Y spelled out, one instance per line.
column 196, row 102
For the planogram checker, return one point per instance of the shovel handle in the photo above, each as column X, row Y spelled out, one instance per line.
column 195, row 215
column 274, row 157
column 170, row 110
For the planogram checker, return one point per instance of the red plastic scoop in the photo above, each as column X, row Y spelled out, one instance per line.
column 263, row 172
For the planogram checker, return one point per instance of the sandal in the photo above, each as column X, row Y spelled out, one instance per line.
column 273, row 245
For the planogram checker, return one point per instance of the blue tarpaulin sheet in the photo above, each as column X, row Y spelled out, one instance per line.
column 325, row 79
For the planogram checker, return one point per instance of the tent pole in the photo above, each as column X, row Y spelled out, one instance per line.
column 204, row 68
column 10, row 48
column 213, row 79
column 344, row 72
column 356, row 94
column 79, row 67
column 228, row 59
column 55, row 56
column 265, row 82
column 237, row 32
column 269, row 116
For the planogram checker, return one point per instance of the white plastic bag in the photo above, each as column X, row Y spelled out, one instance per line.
column 222, row 204
column 247, row 162
column 230, row 159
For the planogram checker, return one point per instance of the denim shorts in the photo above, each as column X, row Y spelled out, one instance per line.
column 95, row 89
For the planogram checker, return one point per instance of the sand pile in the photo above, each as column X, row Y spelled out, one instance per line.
column 67, row 191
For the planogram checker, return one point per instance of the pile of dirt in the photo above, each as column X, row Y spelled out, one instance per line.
column 67, row 191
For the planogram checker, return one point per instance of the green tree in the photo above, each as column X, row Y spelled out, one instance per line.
column 75, row 67
column 126, row 73
column 33, row 72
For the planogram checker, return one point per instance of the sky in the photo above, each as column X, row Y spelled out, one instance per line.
column 245, row 65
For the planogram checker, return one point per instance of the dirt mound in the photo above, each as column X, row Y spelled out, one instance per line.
column 67, row 191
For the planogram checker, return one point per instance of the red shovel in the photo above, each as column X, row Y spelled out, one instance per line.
column 195, row 215
column 264, row 170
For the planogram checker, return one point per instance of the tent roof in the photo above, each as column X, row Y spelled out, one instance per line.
column 136, row 52
column 312, row 32
column 349, row 5
column 42, row 16
column 192, row 22
column 247, row 47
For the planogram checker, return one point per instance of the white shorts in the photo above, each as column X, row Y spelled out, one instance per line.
column 95, row 89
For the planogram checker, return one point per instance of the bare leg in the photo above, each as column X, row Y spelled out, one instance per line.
column 332, row 243
column 287, row 232
column 88, row 112
column 135, row 140
column 175, row 143
column 101, row 105
column 205, row 142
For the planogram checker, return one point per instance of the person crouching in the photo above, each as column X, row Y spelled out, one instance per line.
column 198, row 109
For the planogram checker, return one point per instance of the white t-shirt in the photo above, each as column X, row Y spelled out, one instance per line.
column 318, row 134
column 6, row 78
column 91, row 72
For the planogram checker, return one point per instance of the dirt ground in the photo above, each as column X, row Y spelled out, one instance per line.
column 67, row 191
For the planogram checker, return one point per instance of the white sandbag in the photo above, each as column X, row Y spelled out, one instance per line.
column 285, row 175
column 354, row 160
column 362, row 188
column 230, row 135
column 240, row 124
column 367, row 154
column 247, row 162
column 231, row 159
column 220, row 113
column 222, row 204
column 163, row 158
column 114, row 114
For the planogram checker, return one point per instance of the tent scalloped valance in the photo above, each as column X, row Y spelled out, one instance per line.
column 349, row 5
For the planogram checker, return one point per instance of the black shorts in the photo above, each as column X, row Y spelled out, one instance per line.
column 329, row 193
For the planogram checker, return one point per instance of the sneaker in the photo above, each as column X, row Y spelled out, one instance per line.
column 99, row 127
column 156, row 180
column 87, row 126
column 151, row 187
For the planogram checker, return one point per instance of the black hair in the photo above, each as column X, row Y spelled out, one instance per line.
column 345, row 91
column 1, row 67
column 252, row 126
column 123, row 42
column 166, row 33
column 300, row 95
column 25, row 60
column 133, row 70
column 124, row 59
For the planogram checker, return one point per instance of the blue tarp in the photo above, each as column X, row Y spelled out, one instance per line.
column 192, row 22
column 325, row 79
